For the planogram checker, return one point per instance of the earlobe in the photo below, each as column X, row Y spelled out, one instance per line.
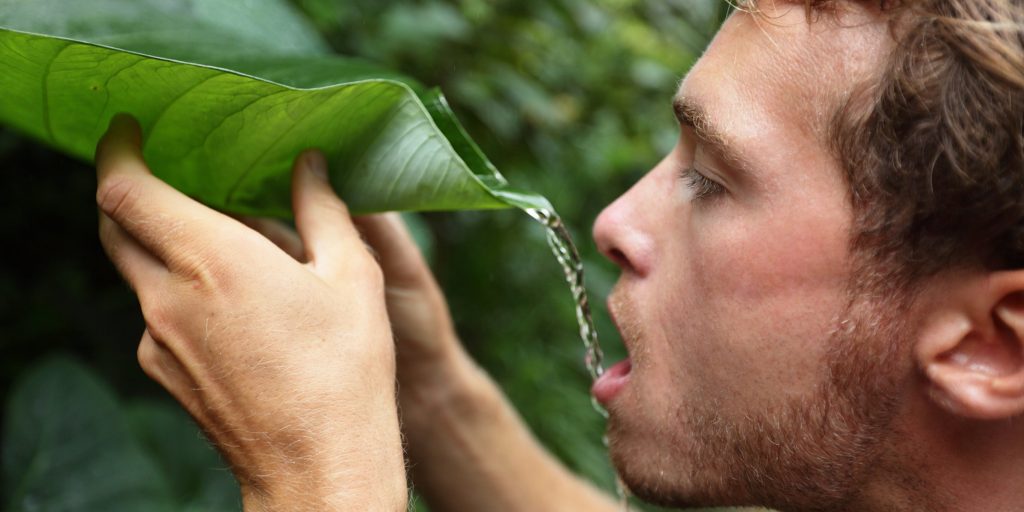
column 971, row 347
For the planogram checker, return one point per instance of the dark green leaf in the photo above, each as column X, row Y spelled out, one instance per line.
column 197, row 476
column 66, row 447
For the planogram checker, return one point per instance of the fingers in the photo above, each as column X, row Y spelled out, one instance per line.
column 123, row 138
column 419, row 315
column 142, row 270
column 321, row 218
column 279, row 233
column 398, row 254
column 160, row 365
column 162, row 220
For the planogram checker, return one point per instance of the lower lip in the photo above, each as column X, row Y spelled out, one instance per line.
column 611, row 382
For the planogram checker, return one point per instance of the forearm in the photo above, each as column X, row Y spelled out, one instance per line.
column 469, row 450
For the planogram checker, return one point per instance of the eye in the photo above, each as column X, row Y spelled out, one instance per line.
column 701, row 185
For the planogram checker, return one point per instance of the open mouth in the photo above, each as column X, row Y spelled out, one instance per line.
column 611, row 381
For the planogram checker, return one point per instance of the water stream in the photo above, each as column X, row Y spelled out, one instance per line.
column 572, row 265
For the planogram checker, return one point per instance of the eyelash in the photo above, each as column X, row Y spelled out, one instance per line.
column 701, row 185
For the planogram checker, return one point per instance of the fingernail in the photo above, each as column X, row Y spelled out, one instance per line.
column 317, row 164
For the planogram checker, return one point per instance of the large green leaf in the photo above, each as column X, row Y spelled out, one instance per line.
column 228, row 93
column 197, row 477
column 67, row 447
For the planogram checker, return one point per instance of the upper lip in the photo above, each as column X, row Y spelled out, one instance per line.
column 610, row 305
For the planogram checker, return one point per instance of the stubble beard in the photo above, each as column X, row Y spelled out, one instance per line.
column 809, row 454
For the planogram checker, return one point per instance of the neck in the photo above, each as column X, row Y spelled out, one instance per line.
column 938, row 462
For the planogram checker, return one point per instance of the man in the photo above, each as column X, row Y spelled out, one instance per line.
column 822, row 295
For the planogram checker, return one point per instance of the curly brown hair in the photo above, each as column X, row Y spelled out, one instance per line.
column 934, row 151
column 933, row 148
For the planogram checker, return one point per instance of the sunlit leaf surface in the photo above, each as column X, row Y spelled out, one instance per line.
column 227, row 96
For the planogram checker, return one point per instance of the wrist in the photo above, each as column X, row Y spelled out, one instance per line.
column 333, row 467
column 308, row 500
column 331, row 487
column 426, row 369
column 454, row 387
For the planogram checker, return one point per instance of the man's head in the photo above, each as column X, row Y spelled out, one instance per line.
column 826, row 258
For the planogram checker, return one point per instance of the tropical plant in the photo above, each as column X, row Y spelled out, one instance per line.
column 71, row 445
column 224, row 119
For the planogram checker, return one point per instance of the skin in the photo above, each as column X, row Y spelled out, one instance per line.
column 741, row 289
column 768, row 365
column 794, row 383
column 298, row 392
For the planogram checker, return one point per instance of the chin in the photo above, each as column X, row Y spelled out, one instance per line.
column 676, row 453
column 804, row 454
column 652, row 454
column 652, row 473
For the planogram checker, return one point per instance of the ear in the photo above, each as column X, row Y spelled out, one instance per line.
column 971, row 345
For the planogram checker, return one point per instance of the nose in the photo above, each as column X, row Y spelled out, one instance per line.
column 622, row 230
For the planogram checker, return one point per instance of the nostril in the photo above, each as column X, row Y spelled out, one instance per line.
column 618, row 257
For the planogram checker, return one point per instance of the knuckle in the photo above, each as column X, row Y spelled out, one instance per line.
column 117, row 196
column 206, row 272
column 108, row 236
column 203, row 263
column 148, row 355
column 159, row 318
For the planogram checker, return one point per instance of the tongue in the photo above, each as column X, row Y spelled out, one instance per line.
column 611, row 382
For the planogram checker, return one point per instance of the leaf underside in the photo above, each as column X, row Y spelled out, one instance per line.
column 225, row 111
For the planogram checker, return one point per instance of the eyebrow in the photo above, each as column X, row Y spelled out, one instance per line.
column 692, row 114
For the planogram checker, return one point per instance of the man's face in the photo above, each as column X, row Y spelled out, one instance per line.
column 735, row 300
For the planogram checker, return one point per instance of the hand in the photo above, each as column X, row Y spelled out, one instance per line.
column 287, row 365
column 425, row 339
column 468, row 449
column 422, row 324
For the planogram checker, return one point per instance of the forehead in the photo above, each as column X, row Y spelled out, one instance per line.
column 773, row 80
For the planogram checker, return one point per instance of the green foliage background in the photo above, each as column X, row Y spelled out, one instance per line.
column 569, row 98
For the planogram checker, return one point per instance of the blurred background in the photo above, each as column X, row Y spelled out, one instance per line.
column 569, row 98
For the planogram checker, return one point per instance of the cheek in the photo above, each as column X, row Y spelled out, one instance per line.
column 763, row 299
column 759, row 262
